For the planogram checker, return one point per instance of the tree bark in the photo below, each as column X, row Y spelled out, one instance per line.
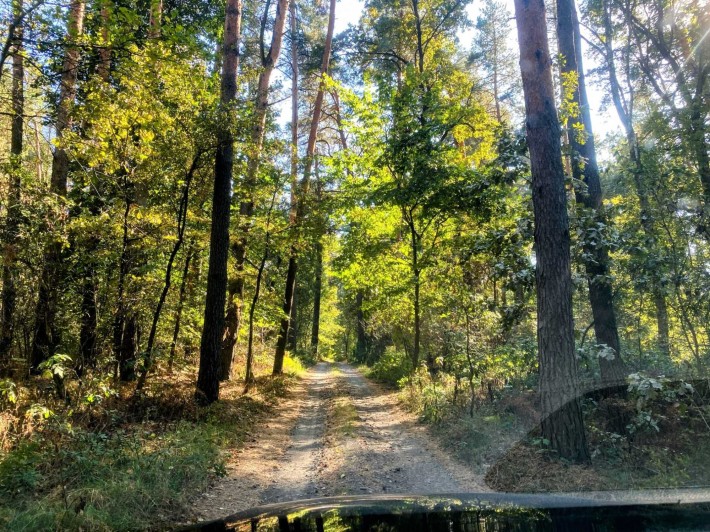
column 88, row 337
column 292, row 339
column 249, row 375
column 318, row 279
column 89, row 322
column 361, row 345
column 585, row 170
column 246, row 208
column 317, row 292
column 181, row 304
column 562, row 422
column 129, row 349
column 123, row 346
column 211, row 342
column 416, row 277
column 298, row 208
column 156, row 19
column 46, row 335
column 293, row 330
column 12, row 221
column 104, row 67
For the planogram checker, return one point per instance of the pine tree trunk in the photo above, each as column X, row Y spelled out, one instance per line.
column 562, row 422
column 46, row 336
column 280, row 352
column 211, row 342
column 246, row 208
column 292, row 339
column 317, row 290
column 104, row 67
column 12, row 221
column 585, row 170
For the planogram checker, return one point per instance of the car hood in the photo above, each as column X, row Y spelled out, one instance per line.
column 686, row 509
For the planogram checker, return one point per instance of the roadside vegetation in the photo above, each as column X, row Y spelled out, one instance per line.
column 108, row 462
column 651, row 433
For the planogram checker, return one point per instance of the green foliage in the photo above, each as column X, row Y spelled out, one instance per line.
column 20, row 471
column 649, row 393
column 8, row 392
column 56, row 366
column 392, row 367
column 119, row 481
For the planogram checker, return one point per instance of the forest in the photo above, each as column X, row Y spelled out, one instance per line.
column 200, row 200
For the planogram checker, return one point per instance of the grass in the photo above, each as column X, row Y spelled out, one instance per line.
column 130, row 464
column 342, row 414
column 343, row 417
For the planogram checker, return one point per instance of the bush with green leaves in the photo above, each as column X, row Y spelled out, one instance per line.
column 392, row 367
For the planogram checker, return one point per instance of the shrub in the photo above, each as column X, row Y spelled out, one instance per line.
column 392, row 367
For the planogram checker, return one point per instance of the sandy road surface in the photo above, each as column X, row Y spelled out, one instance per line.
column 305, row 453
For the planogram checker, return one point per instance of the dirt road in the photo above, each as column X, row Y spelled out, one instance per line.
column 339, row 434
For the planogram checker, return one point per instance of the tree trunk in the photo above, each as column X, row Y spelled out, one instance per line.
column 88, row 338
column 246, row 208
column 318, row 280
column 181, row 304
column 89, row 322
column 496, row 90
column 417, row 285
column 104, row 67
column 181, row 225
column 248, row 375
column 129, row 349
column 298, row 208
column 285, row 318
column 211, row 342
column 12, row 221
column 562, row 422
column 317, row 289
column 119, row 318
column 647, row 220
column 292, row 340
column 585, row 170
column 46, row 336
column 699, row 143
column 125, row 322
column 293, row 330
column 156, row 19
column 361, row 346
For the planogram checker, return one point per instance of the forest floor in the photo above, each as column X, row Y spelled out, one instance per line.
column 337, row 434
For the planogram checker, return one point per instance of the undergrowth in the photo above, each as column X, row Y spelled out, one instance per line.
column 654, row 434
column 112, row 462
